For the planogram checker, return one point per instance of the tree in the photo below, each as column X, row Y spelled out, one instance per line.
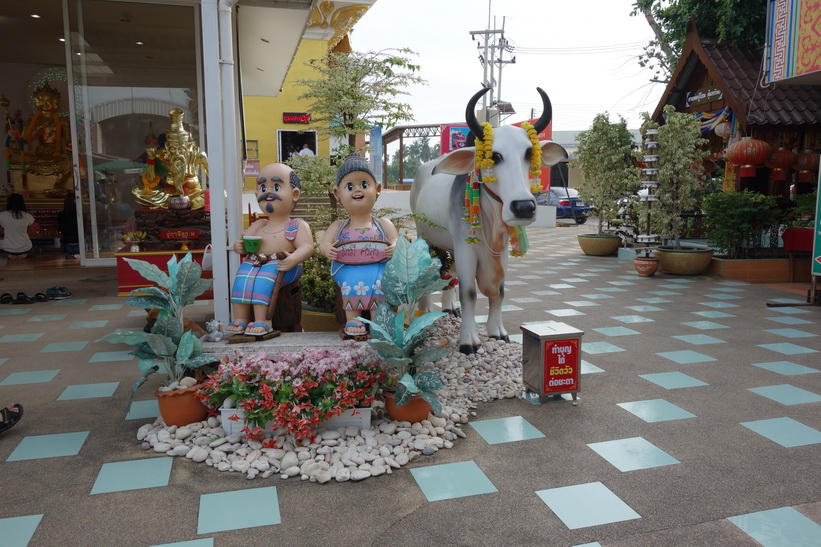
column 356, row 91
column 739, row 23
column 680, row 170
column 605, row 162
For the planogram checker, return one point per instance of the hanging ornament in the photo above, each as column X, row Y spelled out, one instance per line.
column 748, row 153
column 779, row 161
column 723, row 129
column 806, row 163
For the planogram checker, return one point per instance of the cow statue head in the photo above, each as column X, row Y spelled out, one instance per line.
column 509, row 177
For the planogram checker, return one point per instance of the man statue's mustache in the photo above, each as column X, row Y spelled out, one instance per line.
column 268, row 197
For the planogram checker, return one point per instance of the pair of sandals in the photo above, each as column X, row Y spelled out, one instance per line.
column 243, row 328
column 9, row 416
column 23, row 298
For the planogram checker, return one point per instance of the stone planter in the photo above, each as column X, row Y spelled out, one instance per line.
column 685, row 261
column 595, row 245
column 233, row 420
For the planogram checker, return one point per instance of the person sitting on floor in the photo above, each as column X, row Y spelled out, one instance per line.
column 16, row 225
column 278, row 190
column 69, row 231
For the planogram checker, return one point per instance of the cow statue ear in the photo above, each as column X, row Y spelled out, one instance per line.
column 457, row 162
column 553, row 153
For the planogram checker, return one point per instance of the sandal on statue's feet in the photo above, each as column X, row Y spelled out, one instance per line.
column 355, row 330
column 258, row 325
column 9, row 416
column 236, row 327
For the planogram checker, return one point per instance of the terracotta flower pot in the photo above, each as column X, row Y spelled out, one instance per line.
column 646, row 266
column 415, row 410
column 180, row 407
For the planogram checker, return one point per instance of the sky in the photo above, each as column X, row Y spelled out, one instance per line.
column 583, row 53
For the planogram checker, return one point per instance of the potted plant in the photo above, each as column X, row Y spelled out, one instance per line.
column 397, row 334
column 605, row 161
column 168, row 349
column 296, row 391
column 679, row 177
column 737, row 221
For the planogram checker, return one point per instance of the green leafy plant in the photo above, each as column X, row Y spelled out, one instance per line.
column 737, row 221
column 605, row 162
column 167, row 349
column 410, row 274
column 680, row 172
column 803, row 214
column 317, row 285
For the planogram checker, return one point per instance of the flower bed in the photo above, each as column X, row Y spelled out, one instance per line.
column 296, row 391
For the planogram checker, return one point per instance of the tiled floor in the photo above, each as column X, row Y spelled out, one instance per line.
column 698, row 414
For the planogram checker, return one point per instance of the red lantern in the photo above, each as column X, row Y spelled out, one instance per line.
column 779, row 161
column 723, row 129
column 748, row 152
column 806, row 163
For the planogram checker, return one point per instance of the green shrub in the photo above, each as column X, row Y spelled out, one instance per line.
column 737, row 221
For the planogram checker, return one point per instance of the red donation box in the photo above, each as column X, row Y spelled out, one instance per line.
column 551, row 358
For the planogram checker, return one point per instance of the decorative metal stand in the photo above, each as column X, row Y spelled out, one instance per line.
column 650, row 183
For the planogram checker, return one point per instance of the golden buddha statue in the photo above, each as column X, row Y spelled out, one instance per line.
column 179, row 161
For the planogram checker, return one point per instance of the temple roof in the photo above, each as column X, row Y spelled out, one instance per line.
column 737, row 73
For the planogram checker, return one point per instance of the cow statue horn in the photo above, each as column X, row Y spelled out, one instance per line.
column 547, row 112
column 470, row 115
column 476, row 127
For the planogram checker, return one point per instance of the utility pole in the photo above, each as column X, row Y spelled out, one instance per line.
column 490, row 60
column 486, row 59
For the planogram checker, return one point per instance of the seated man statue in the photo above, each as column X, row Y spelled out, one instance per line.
column 275, row 246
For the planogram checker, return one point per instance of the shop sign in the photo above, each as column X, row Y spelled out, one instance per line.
column 296, row 117
column 181, row 234
column 704, row 95
column 561, row 365
column 251, row 168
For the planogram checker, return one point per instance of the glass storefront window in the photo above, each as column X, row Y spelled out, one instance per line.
column 131, row 63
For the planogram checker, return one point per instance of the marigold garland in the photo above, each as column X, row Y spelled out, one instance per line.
column 535, row 158
column 484, row 160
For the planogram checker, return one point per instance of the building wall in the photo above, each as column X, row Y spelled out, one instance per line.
column 263, row 115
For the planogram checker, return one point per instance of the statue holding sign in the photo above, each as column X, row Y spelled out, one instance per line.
column 359, row 246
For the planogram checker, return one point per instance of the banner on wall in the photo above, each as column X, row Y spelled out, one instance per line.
column 816, row 243
column 453, row 137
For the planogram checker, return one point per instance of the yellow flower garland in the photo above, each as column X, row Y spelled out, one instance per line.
column 535, row 158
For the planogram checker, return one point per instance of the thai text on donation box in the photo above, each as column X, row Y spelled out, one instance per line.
column 551, row 358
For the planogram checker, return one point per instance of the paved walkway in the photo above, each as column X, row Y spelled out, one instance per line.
column 699, row 423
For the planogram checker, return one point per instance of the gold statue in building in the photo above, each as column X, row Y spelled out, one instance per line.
column 179, row 162
column 40, row 147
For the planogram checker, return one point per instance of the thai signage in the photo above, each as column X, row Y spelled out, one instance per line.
column 704, row 95
column 561, row 365
column 296, row 117
column 816, row 246
column 792, row 40
column 181, row 234
column 361, row 252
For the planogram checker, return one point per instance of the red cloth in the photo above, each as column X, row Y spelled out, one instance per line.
column 797, row 239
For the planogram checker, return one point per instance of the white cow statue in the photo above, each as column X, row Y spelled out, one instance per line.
column 438, row 197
